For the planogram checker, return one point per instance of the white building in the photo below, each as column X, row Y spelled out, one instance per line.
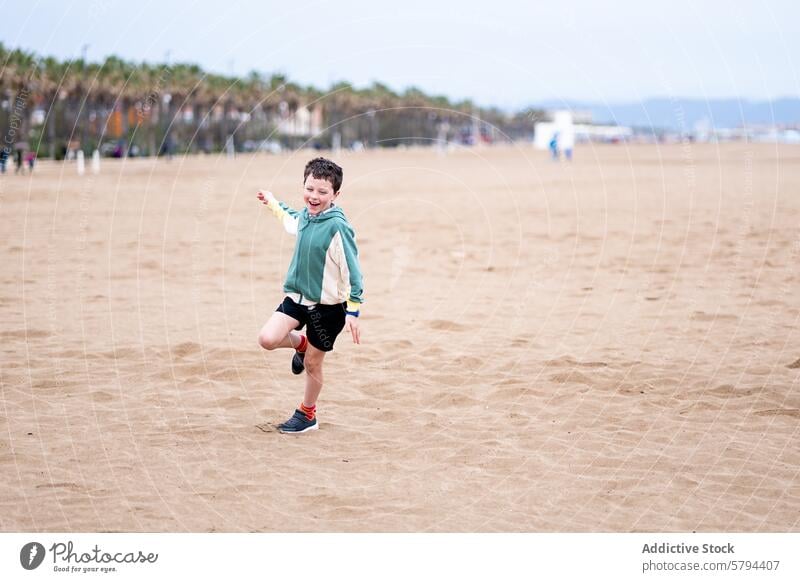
column 569, row 132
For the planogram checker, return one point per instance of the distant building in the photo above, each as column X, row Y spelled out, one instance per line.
column 564, row 123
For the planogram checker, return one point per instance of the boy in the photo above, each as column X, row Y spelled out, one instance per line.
column 323, row 286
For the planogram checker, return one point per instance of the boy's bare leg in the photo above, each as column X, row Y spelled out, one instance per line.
column 278, row 332
column 313, row 364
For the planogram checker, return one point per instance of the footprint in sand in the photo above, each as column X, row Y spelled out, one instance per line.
column 446, row 325
column 571, row 378
column 70, row 486
column 101, row 396
column 569, row 362
column 703, row 316
column 729, row 391
column 791, row 412
column 185, row 349
column 24, row 334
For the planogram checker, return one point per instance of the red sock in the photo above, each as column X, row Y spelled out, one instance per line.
column 310, row 412
column 303, row 344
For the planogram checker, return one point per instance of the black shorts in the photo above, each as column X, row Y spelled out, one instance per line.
column 324, row 322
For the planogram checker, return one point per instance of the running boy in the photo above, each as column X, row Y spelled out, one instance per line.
column 323, row 286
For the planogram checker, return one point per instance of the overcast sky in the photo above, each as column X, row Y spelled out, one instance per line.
column 495, row 52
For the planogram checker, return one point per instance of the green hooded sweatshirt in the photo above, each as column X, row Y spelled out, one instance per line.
column 324, row 267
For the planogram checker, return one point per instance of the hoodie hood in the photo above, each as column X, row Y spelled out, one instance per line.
column 332, row 212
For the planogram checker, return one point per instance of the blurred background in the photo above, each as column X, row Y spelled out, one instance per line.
column 154, row 78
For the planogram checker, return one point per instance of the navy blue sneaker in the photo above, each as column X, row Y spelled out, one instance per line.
column 298, row 423
column 298, row 362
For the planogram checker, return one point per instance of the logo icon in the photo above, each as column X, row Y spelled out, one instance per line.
column 31, row 555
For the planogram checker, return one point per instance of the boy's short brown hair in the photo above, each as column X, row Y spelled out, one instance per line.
column 324, row 169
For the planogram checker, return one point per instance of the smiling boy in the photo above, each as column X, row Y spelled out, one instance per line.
column 323, row 286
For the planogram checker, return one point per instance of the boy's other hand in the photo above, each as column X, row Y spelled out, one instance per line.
column 351, row 325
column 265, row 196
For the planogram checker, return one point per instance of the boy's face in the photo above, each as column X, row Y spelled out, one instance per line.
column 318, row 194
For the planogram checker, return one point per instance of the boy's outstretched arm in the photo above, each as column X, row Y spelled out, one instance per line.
column 288, row 216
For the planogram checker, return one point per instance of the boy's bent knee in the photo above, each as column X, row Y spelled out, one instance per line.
column 267, row 341
column 313, row 364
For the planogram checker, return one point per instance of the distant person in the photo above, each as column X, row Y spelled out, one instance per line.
column 553, row 145
column 323, row 286
column 167, row 147
column 30, row 161
column 3, row 159
column 566, row 142
column 19, row 157
column 72, row 150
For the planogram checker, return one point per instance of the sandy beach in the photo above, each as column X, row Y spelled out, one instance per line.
column 611, row 345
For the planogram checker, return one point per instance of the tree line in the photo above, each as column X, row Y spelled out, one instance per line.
column 127, row 108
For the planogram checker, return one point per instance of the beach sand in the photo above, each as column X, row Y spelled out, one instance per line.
column 610, row 345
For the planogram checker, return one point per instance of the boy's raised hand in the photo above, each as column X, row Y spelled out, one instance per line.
column 351, row 325
column 265, row 196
